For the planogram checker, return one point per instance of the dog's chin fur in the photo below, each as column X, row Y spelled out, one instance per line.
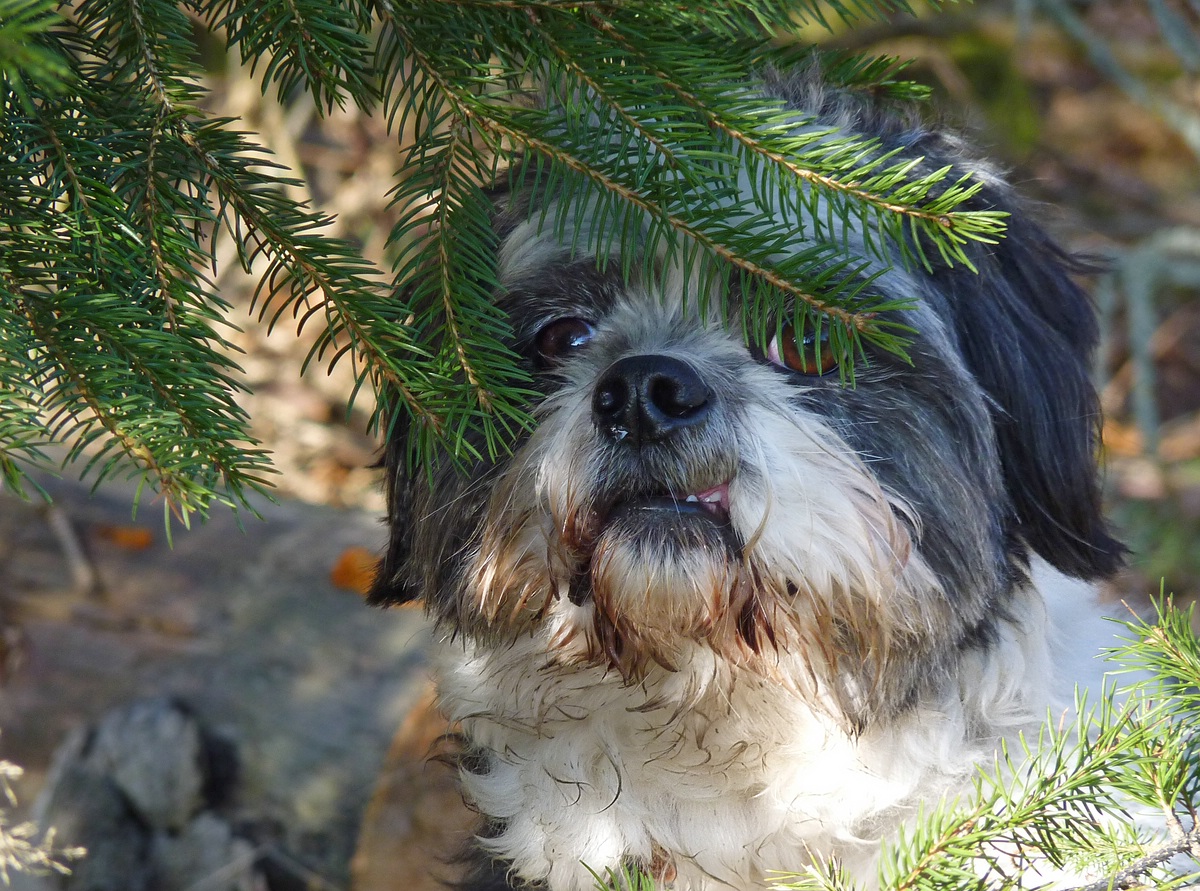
column 758, row 621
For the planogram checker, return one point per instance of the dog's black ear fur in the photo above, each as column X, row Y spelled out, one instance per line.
column 392, row 584
column 1027, row 332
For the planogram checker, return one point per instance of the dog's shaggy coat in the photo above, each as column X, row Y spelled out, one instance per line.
column 722, row 613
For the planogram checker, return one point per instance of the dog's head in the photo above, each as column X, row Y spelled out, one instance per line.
column 688, row 492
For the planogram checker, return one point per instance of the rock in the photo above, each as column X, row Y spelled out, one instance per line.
column 154, row 753
column 206, row 855
column 132, row 791
column 244, row 627
column 88, row 809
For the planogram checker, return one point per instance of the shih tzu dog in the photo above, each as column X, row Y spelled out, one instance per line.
column 724, row 612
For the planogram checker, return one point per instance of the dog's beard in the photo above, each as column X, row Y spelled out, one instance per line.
column 774, row 541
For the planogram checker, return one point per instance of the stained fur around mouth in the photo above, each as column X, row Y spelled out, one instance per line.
column 660, row 524
column 660, row 519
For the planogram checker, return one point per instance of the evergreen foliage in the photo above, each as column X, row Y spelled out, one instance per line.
column 114, row 182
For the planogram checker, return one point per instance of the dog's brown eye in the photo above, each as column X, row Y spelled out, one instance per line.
column 812, row 356
column 560, row 337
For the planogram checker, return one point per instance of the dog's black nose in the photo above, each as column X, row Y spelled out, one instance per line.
column 649, row 398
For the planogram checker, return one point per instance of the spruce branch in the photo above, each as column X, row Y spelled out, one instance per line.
column 303, row 44
column 503, row 127
column 595, row 86
column 866, row 193
column 1134, row 875
column 655, row 167
column 679, row 224
column 1067, row 798
column 92, row 210
column 119, row 188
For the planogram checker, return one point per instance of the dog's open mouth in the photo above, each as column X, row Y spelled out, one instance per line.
column 710, row 504
column 656, row 525
column 687, row 519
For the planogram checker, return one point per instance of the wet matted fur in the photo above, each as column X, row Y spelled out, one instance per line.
column 716, row 616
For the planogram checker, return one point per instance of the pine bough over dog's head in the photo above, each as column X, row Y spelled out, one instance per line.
column 687, row 495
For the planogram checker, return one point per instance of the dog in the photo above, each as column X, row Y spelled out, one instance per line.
column 724, row 611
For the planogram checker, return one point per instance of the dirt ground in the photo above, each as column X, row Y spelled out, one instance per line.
column 255, row 634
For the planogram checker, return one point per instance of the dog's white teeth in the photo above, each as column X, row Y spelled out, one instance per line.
column 712, row 498
column 692, row 498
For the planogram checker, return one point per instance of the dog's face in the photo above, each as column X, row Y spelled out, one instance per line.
column 686, row 491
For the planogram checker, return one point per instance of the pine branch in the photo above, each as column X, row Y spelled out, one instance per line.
column 857, row 189
column 1063, row 801
column 1133, row 875
column 678, row 196
column 24, row 56
column 503, row 126
column 122, row 183
column 571, row 67
column 303, row 44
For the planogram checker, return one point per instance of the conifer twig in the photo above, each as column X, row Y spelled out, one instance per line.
column 1132, row 874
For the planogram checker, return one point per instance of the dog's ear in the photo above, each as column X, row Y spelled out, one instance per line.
column 392, row 584
column 1027, row 332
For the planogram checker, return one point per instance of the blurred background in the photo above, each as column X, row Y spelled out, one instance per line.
column 1093, row 108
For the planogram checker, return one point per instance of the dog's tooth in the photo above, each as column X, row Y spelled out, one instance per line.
column 691, row 498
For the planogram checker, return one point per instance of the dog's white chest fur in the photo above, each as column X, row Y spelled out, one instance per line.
column 717, row 778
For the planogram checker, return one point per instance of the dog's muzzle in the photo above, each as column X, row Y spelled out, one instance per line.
column 653, row 403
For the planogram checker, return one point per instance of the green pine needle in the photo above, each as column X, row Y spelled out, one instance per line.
column 111, row 192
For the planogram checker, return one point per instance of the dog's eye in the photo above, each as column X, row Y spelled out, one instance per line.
column 812, row 356
column 560, row 337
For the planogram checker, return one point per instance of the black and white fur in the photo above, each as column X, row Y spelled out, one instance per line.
column 717, row 618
